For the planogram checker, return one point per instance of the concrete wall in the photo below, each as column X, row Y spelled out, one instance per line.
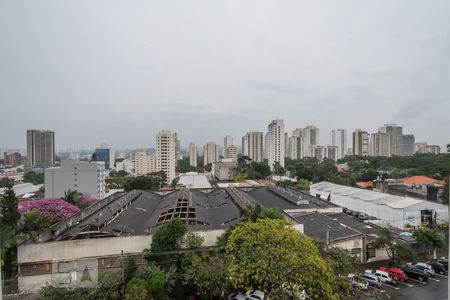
column 88, row 248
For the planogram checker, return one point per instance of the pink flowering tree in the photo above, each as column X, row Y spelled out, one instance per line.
column 53, row 209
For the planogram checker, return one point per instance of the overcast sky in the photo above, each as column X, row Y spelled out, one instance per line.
column 118, row 71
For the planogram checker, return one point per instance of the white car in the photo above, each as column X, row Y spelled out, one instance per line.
column 357, row 282
column 255, row 295
column 383, row 276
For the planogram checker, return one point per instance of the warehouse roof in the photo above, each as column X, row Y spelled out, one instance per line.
column 392, row 201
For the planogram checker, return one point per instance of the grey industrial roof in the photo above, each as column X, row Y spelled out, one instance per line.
column 269, row 199
column 365, row 227
column 316, row 226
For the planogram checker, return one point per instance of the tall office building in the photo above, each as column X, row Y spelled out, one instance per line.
column 165, row 153
column 286, row 144
column 408, row 144
column 40, row 148
column 105, row 154
column 253, row 145
column 266, row 146
column 210, row 153
column 310, row 138
column 227, row 142
column 396, row 135
column 83, row 177
column 192, row 154
column 231, row 153
column 144, row 163
column 296, row 144
column 276, row 143
column 380, row 144
column 360, row 143
column 339, row 138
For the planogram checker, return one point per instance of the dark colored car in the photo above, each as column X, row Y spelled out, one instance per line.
column 443, row 261
column 348, row 211
column 437, row 266
column 356, row 213
column 415, row 273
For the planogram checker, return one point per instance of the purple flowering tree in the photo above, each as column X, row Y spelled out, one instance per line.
column 53, row 209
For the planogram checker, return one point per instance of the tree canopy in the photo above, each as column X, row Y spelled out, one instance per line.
column 268, row 254
column 429, row 237
column 169, row 236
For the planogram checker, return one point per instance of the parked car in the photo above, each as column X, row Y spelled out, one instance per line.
column 396, row 273
column 437, row 266
column 236, row 296
column 355, row 213
column 348, row 211
column 415, row 273
column 384, row 276
column 424, row 267
column 254, row 295
column 372, row 280
column 443, row 261
column 358, row 282
column 363, row 216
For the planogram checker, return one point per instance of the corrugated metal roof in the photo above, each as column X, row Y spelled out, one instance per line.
column 395, row 202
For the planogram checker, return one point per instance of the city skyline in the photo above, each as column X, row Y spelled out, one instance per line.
column 94, row 79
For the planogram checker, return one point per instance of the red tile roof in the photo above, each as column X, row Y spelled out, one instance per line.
column 365, row 185
column 421, row 180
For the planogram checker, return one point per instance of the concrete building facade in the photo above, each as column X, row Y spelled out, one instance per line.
column 84, row 177
column 253, row 145
column 40, row 148
column 325, row 151
column 231, row 153
column 380, row 144
column 425, row 148
column 210, row 153
column 310, row 138
column 227, row 142
column 166, row 143
column 339, row 139
column 144, row 163
column 193, row 154
column 360, row 142
column 276, row 143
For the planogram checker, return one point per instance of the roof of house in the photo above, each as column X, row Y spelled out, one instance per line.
column 365, row 184
column 421, row 180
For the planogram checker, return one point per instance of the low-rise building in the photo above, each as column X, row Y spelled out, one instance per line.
column 224, row 170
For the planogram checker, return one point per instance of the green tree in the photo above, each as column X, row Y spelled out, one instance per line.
column 253, row 213
column 395, row 249
column 72, row 197
column 33, row 223
column 136, row 289
column 268, row 254
column 94, row 157
column 159, row 178
column 129, row 270
column 240, row 176
column 278, row 169
column 207, row 275
column 192, row 240
column 33, row 177
column 157, row 282
column 141, row 183
column 174, row 182
column 9, row 208
column 429, row 237
column 339, row 259
column 169, row 236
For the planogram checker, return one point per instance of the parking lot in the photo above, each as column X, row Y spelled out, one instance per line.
column 436, row 288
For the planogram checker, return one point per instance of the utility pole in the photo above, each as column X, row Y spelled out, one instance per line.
column 123, row 274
